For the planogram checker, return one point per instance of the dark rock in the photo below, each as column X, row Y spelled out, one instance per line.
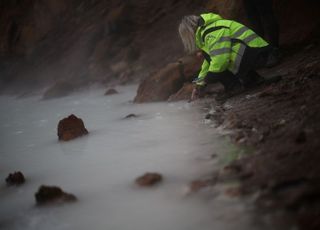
column 149, row 179
column 111, row 92
column 233, row 192
column 16, row 178
column 60, row 89
column 53, row 195
column 301, row 138
column 131, row 115
column 208, row 116
column 70, row 128
column 197, row 185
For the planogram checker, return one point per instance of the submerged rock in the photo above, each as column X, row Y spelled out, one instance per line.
column 197, row 185
column 131, row 115
column 111, row 92
column 60, row 89
column 53, row 195
column 149, row 179
column 233, row 192
column 70, row 128
column 16, row 178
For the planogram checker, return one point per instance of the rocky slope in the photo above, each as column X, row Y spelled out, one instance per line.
column 49, row 41
column 87, row 41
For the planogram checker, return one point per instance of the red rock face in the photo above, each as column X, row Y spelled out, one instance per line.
column 53, row 195
column 16, row 178
column 149, row 179
column 70, row 128
column 168, row 80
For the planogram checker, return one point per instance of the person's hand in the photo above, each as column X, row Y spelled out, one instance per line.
column 195, row 94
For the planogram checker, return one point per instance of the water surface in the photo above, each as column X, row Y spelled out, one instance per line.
column 100, row 169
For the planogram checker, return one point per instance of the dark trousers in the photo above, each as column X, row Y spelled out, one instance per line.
column 253, row 59
column 261, row 16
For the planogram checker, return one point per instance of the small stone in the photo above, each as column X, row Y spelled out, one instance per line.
column 282, row 122
column 149, row 179
column 53, row 195
column 131, row 115
column 16, row 178
column 111, row 92
column 198, row 185
column 233, row 192
column 208, row 116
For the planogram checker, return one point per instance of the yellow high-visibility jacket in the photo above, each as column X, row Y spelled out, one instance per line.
column 223, row 43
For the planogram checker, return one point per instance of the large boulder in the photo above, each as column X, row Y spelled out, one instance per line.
column 70, row 128
column 16, row 178
column 53, row 195
column 168, row 80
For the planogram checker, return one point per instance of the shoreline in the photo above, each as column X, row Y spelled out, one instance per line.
column 280, row 124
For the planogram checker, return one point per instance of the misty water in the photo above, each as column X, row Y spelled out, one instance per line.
column 100, row 168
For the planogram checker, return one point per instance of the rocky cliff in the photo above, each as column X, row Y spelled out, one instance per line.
column 81, row 41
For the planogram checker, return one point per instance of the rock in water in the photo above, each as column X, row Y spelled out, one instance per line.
column 53, row 195
column 149, row 179
column 70, row 128
column 131, row 115
column 111, row 92
column 16, row 178
column 60, row 89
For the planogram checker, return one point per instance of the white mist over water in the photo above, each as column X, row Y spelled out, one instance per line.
column 101, row 167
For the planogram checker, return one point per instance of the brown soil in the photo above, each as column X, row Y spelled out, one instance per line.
column 281, row 122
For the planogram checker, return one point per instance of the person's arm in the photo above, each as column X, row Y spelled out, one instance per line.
column 203, row 73
column 219, row 46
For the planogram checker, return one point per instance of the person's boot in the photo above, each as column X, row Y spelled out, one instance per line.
column 273, row 58
column 253, row 79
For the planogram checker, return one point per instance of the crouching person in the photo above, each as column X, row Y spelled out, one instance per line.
column 232, row 52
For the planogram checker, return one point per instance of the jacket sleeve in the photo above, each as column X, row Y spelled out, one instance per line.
column 203, row 73
column 218, row 44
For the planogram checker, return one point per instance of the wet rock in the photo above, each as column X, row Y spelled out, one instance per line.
column 168, row 80
column 149, row 179
column 183, row 94
column 197, row 185
column 233, row 192
column 111, row 92
column 70, row 128
column 131, row 115
column 53, row 195
column 16, row 178
column 60, row 89
column 208, row 116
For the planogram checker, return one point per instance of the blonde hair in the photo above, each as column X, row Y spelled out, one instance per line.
column 187, row 30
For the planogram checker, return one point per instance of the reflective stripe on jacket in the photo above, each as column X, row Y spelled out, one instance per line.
column 223, row 43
